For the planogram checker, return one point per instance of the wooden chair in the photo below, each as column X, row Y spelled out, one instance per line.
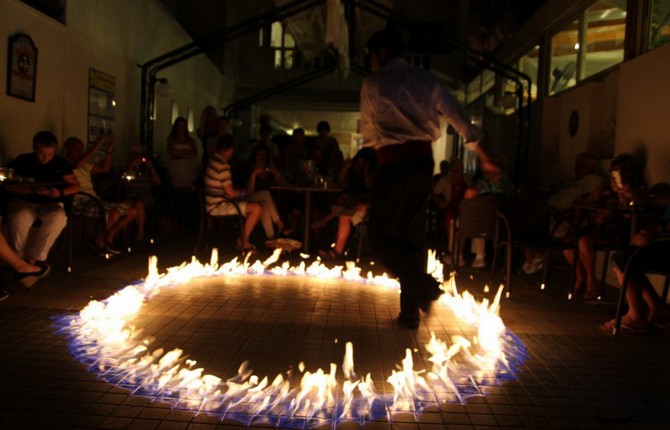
column 653, row 258
column 206, row 219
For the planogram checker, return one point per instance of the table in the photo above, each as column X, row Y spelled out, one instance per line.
column 308, row 190
column 9, row 184
column 632, row 210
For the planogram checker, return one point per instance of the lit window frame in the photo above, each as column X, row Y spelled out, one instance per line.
column 581, row 49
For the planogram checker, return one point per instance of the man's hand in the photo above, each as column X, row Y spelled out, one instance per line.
column 52, row 193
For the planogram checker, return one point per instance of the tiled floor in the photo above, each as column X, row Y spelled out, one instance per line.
column 575, row 375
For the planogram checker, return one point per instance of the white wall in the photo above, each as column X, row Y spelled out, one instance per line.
column 110, row 36
column 595, row 105
column 643, row 114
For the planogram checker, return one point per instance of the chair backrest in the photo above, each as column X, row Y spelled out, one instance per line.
column 478, row 217
column 530, row 220
column 652, row 258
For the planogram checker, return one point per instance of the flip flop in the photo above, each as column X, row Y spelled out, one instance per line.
column 330, row 255
column 625, row 328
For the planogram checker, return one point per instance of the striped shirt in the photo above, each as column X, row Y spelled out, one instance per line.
column 217, row 177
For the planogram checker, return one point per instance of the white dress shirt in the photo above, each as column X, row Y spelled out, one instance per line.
column 401, row 103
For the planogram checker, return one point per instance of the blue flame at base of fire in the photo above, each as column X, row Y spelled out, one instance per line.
column 467, row 383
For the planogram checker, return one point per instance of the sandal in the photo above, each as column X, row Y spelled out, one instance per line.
column 625, row 328
column 591, row 296
column 246, row 249
column 330, row 255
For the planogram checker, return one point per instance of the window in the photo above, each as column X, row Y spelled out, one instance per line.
column 53, row 8
column 528, row 64
column 605, row 34
column 588, row 45
column 564, row 50
column 659, row 25
column 284, row 45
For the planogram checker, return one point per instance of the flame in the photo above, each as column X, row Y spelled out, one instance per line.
column 102, row 336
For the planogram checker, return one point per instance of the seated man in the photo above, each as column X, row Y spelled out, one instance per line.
column 219, row 186
column 118, row 214
column 43, row 200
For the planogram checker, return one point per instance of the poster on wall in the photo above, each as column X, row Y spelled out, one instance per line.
column 101, row 103
column 21, row 67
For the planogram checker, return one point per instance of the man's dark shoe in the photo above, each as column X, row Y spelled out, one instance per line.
column 426, row 303
column 28, row 279
column 408, row 321
column 4, row 295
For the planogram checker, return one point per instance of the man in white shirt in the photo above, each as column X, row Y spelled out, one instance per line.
column 401, row 107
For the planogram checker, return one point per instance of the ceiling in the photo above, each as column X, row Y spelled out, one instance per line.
column 478, row 24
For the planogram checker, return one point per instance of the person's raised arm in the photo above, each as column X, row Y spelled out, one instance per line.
column 88, row 155
column 106, row 163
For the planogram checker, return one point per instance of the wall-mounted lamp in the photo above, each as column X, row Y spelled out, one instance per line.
column 163, row 88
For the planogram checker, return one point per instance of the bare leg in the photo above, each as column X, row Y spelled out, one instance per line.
column 579, row 285
column 635, row 317
column 323, row 221
column 343, row 232
column 141, row 216
column 587, row 255
column 112, row 217
column 17, row 263
column 120, row 223
column 254, row 212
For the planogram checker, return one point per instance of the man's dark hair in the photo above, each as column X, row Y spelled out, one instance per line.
column 44, row 139
column 224, row 143
column 323, row 126
column 388, row 39
column 265, row 127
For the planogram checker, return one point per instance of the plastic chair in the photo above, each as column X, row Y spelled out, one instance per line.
column 479, row 217
column 533, row 224
column 653, row 258
column 100, row 219
column 207, row 219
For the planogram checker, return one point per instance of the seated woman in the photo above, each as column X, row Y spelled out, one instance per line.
column 26, row 273
column 352, row 205
column 261, row 179
column 645, row 306
column 219, row 186
column 118, row 214
column 263, row 173
column 606, row 226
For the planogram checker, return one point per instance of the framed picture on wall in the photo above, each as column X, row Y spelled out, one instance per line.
column 101, row 104
column 21, row 67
